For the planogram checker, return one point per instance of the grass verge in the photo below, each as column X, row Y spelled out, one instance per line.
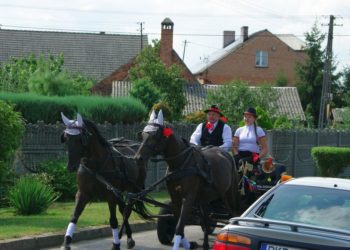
column 57, row 218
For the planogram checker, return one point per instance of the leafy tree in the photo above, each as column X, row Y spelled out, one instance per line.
column 145, row 90
column 234, row 98
column 310, row 73
column 43, row 75
column 167, row 80
column 281, row 79
column 344, row 89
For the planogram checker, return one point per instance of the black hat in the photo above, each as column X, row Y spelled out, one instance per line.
column 214, row 108
column 250, row 111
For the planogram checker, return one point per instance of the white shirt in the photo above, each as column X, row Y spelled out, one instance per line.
column 247, row 138
column 226, row 136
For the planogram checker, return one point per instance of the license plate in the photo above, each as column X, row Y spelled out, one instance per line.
column 266, row 246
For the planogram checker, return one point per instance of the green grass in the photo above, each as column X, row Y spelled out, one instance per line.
column 57, row 218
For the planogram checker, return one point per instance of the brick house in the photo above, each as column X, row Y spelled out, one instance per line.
column 256, row 58
column 167, row 54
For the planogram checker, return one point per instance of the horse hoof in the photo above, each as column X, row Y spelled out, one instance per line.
column 130, row 243
column 193, row 245
column 115, row 247
column 66, row 243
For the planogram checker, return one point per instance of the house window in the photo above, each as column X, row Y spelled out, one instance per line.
column 261, row 58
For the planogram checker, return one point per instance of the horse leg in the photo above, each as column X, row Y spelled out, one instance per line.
column 205, row 224
column 126, row 211
column 231, row 200
column 80, row 203
column 113, row 222
column 186, row 208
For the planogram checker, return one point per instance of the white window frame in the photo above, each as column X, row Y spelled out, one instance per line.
column 261, row 58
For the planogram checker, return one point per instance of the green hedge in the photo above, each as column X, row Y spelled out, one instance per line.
column 96, row 108
column 331, row 161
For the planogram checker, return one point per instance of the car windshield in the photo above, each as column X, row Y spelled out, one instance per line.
column 324, row 207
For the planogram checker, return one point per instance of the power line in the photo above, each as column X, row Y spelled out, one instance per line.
column 148, row 33
column 190, row 15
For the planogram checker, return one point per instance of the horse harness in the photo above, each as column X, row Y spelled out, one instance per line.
column 184, row 171
column 113, row 153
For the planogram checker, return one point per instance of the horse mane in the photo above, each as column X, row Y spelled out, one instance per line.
column 90, row 125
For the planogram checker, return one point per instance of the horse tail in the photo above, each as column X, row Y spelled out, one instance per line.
column 141, row 210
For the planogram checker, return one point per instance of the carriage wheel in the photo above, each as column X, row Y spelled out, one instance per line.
column 166, row 226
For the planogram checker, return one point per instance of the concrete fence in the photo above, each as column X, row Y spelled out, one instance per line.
column 292, row 148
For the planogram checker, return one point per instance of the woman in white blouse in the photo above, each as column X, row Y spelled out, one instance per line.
column 249, row 140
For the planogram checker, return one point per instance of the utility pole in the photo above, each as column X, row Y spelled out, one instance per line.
column 322, row 121
column 141, row 35
column 183, row 55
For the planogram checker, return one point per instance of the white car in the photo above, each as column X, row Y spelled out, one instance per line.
column 309, row 213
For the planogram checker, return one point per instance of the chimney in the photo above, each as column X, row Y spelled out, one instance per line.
column 166, row 41
column 244, row 33
column 229, row 37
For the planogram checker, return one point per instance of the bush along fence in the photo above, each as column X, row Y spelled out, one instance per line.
column 331, row 161
column 291, row 148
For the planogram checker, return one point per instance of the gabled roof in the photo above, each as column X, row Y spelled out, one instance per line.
column 288, row 102
column 289, row 39
column 121, row 74
column 92, row 54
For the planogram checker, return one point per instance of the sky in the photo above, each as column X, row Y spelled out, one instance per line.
column 198, row 22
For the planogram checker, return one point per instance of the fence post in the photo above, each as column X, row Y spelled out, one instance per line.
column 294, row 159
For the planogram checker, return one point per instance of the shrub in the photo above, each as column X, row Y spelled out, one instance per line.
column 331, row 161
column 56, row 175
column 99, row 109
column 31, row 196
column 195, row 117
column 281, row 79
column 12, row 128
column 167, row 114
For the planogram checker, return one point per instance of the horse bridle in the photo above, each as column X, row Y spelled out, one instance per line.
column 158, row 133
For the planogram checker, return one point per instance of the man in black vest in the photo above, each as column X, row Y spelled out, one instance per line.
column 213, row 132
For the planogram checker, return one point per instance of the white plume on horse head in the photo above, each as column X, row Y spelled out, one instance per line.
column 152, row 116
column 65, row 120
column 70, row 124
column 160, row 119
column 155, row 119
column 79, row 120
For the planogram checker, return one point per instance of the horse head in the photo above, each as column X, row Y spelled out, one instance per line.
column 153, row 137
column 76, row 137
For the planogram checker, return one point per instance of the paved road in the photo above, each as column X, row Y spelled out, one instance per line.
column 146, row 240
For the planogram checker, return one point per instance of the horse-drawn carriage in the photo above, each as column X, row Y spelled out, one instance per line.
column 254, row 181
column 205, row 186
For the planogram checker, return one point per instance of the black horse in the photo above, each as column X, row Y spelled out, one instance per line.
column 102, row 168
column 198, row 177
